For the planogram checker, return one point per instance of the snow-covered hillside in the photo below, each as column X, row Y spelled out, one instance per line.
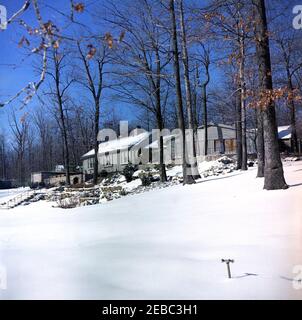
column 164, row 244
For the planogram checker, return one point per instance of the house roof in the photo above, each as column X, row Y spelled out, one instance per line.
column 284, row 132
column 221, row 125
column 119, row 144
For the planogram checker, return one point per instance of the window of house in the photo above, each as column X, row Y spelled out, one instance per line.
column 108, row 160
column 173, row 152
column 230, row 145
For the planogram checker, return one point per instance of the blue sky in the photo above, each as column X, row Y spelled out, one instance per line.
column 16, row 70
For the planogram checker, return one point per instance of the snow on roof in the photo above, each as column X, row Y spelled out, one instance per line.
column 119, row 144
column 154, row 144
column 284, row 132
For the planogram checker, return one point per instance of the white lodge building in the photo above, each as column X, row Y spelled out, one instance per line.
column 140, row 149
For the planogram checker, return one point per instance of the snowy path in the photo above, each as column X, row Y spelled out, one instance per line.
column 162, row 244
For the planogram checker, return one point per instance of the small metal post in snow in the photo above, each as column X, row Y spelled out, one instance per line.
column 227, row 262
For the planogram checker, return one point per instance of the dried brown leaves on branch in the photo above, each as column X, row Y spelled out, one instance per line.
column 49, row 37
column 109, row 40
column 79, row 7
column 264, row 98
column 92, row 51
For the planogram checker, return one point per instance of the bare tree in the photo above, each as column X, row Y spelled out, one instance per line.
column 3, row 157
column 205, row 61
column 58, row 94
column 185, row 62
column 232, row 21
column 187, row 174
column 94, row 62
column 142, row 58
column 19, row 130
column 289, row 57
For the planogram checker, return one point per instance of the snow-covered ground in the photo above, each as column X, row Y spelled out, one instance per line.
column 164, row 244
column 5, row 195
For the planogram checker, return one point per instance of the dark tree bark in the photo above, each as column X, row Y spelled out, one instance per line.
column 273, row 169
column 260, row 144
column 242, row 101
column 3, row 164
column 204, row 96
column 187, row 176
column 292, row 109
column 195, row 101
column 59, row 100
column 238, row 131
column 240, row 25
column 96, row 143
column 205, row 117
column 20, row 134
column 159, row 116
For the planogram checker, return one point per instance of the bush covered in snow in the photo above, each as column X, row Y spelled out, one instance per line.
column 206, row 169
column 117, row 185
column 145, row 178
column 129, row 171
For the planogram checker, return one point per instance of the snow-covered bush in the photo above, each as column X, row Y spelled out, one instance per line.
column 128, row 172
column 113, row 179
column 146, row 178
column 103, row 174
column 68, row 203
column 225, row 160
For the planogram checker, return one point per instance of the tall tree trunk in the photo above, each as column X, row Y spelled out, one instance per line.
column 260, row 144
column 159, row 118
column 195, row 109
column 194, row 103
column 95, row 88
column 62, row 119
column 22, row 169
column 187, row 176
column 273, row 169
column 238, row 131
column 205, row 118
column 292, row 107
column 96, row 142
column 242, row 100
column 185, row 61
column 162, row 166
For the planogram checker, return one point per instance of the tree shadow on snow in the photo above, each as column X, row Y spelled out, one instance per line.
column 291, row 279
column 218, row 178
column 295, row 185
column 246, row 275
